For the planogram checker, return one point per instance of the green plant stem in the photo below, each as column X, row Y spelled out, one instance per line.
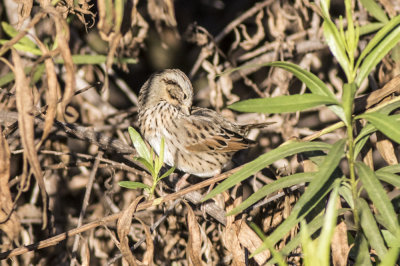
column 350, row 158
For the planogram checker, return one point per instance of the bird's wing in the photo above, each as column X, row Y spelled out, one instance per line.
column 208, row 131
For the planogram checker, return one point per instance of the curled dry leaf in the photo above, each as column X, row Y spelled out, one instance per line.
column 339, row 245
column 386, row 149
column 24, row 100
column 193, row 247
column 238, row 235
column 231, row 233
column 162, row 11
column 251, row 42
column 51, row 93
column 24, row 10
column 123, row 227
column 8, row 223
column 85, row 253
column 63, row 36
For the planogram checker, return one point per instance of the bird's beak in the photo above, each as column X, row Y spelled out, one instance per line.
column 186, row 110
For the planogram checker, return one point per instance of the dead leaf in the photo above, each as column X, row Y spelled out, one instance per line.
column 24, row 10
column 339, row 245
column 51, row 93
column 251, row 42
column 386, row 149
column 123, row 227
column 24, row 99
column 9, row 222
column 231, row 233
column 193, row 247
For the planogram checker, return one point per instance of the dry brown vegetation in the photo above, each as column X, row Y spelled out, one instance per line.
column 69, row 92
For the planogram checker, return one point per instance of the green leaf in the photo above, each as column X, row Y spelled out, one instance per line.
column 12, row 32
column 324, row 240
column 349, row 91
column 170, row 171
column 320, row 185
column 24, row 48
column 371, row 27
column 345, row 192
column 390, row 239
column 361, row 250
column 336, row 45
column 139, row 145
column 7, row 78
column 159, row 162
column 395, row 168
column 95, row 59
column 309, row 248
column 370, row 228
column 312, row 227
column 264, row 160
column 378, row 195
column 276, row 255
column 312, row 82
column 375, row 10
column 390, row 257
column 283, row 182
column 149, row 165
column 133, row 185
column 388, row 125
column 377, row 48
column 282, row 104
column 388, row 177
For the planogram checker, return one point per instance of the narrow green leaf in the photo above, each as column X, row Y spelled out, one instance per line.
column 393, row 179
column 375, row 10
column 390, row 239
column 282, row 104
column 377, row 48
column 133, row 185
column 347, row 195
column 370, row 228
column 286, row 149
column 371, row 27
column 24, row 48
column 378, row 37
column 313, row 226
column 95, row 59
column 388, row 125
column 395, row 168
column 12, row 32
column 281, row 183
column 312, row 82
column 170, row 171
column 349, row 91
column 336, row 45
column 149, row 166
column 325, row 5
column 324, row 240
column 378, row 195
column 390, row 257
column 320, row 185
column 276, row 255
column 159, row 160
column 139, row 145
column 309, row 247
column 361, row 250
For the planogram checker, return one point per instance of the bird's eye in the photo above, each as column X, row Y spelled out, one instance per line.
column 184, row 96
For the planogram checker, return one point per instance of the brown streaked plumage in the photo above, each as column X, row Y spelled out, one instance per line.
column 198, row 141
